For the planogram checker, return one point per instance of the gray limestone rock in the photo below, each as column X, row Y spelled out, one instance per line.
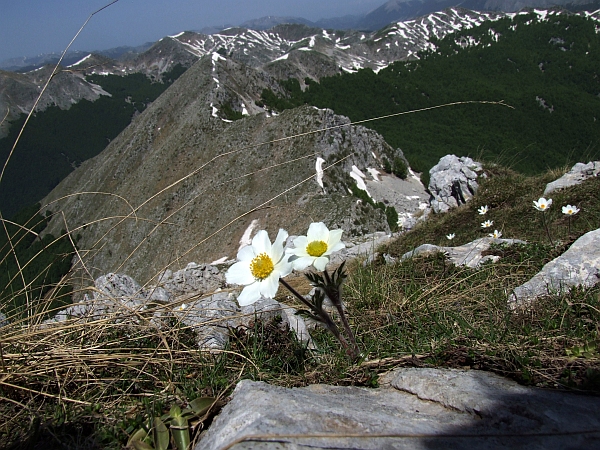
column 469, row 255
column 577, row 175
column 414, row 409
column 578, row 266
column 267, row 309
column 196, row 278
column 453, row 181
column 114, row 286
column 211, row 318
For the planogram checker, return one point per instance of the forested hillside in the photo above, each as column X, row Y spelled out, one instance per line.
column 546, row 69
column 56, row 141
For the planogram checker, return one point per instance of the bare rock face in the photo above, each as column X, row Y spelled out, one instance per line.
column 578, row 266
column 414, row 408
column 453, row 182
column 577, row 175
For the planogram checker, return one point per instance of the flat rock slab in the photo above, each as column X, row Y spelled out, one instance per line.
column 578, row 266
column 470, row 255
column 414, row 409
column 577, row 175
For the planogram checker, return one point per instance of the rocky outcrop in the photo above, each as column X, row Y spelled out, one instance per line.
column 470, row 255
column 578, row 266
column 197, row 297
column 414, row 408
column 453, row 182
column 120, row 299
column 577, row 175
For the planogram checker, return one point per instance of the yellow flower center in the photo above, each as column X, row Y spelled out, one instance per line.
column 316, row 248
column 261, row 266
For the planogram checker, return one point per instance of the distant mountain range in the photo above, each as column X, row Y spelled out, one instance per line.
column 392, row 11
column 284, row 51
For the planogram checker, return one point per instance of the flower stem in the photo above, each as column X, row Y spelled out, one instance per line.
column 546, row 227
column 326, row 320
column 337, row 301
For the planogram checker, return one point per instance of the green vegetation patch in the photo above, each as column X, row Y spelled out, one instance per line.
column 56, row 141
column 546, row 70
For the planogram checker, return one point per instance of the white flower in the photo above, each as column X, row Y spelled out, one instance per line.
column 487, row 224
column 482, row 210
column 496, row 234
column 315, row 247
column 450, row 236
column 570, row 210
column 542, row 204
column 259, row 267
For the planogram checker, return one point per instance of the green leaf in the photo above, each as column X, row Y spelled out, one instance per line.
column 140, row 445
column 201, row 404
column 181, row 435
column 307, row 313
column 139, row 435
column 175, row 411
column 160, row 434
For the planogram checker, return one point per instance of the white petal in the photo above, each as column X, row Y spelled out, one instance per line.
column 317, row 231
column 320, row 263
column 283, row 268
column 269, row 286
column 303, row 262
column 336, row 248
column 261, row 243
column 249, row 295
column 277, row 248
column 335, row 242
column 239, row 273
column 300, row 244
column 246, row 253
column 335, row 236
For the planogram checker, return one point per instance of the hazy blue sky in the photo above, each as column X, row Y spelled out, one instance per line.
column 31, row 27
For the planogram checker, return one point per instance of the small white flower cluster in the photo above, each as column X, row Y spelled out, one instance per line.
column 542, row 205
column 261, row 264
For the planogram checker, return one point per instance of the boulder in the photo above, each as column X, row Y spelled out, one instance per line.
column 578, row 266
column 577, row 175
column 452, row 182
column 414, row 408
column 469, row 255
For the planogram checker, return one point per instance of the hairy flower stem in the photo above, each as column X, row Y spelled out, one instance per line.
column 546, row 227
column 336, row 299
column 326, row 320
